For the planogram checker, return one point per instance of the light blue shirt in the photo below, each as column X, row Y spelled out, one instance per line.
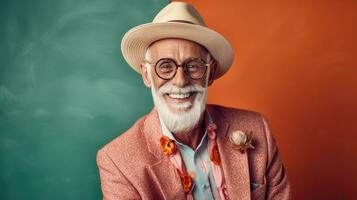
column 197, row 162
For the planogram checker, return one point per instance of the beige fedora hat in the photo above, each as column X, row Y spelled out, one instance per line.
column 176, row 20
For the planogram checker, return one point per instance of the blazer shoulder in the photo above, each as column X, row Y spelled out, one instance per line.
column 234, row 113
column 127, row 147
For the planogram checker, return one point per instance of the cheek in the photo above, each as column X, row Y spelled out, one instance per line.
column 201, row 82
column 158, row 82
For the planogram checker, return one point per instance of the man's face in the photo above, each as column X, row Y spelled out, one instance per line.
column 181, row 100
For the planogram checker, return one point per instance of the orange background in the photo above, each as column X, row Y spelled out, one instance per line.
column 296, row 62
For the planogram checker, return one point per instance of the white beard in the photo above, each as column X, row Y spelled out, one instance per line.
column 188, row 115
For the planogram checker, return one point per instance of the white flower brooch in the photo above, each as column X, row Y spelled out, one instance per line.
column 241, row 141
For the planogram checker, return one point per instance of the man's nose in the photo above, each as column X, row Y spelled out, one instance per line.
column 180, row 79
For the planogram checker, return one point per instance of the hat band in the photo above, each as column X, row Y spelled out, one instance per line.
column 181, row 21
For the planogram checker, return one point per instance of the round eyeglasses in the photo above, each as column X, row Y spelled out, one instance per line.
column 195, row 68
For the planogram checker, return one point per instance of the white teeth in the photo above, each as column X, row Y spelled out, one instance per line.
column 179, row 95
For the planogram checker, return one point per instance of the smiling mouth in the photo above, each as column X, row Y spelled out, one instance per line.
column 179, row 95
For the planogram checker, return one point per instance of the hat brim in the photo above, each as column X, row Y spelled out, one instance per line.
column 136, row 41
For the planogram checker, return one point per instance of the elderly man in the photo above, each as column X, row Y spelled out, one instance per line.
column 184, row 149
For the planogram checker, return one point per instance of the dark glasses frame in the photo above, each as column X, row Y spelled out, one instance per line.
column 183, row 65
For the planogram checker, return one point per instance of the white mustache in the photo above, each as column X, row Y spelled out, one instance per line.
column 169, row 89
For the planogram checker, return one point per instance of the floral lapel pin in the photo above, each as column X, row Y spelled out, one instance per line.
column 241, row 141
column 214, row 156
column 168, row 146
column 187, row 183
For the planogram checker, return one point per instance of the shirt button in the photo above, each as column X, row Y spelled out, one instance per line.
column 205, row 186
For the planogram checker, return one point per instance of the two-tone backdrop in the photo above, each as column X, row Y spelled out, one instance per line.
column 65, row 90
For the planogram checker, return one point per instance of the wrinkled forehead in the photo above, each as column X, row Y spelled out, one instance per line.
column 178, row 49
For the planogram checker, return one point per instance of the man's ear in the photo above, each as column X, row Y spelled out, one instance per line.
column 212, row 72
column 145, row 75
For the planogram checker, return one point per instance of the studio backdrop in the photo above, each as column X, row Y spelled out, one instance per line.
column 65, row 89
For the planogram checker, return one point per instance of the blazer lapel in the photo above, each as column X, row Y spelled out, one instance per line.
column 166, row 180
column 234, row 164
column 163, row 174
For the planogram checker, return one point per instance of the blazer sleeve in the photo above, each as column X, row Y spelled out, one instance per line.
column 114, row 184
column 277, row 183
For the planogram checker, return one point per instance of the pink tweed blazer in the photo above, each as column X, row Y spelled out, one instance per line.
column 132, row 166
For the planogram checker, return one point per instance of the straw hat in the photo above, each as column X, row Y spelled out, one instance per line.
column 176, row 20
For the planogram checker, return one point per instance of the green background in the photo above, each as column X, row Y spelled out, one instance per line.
column 65, row 91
